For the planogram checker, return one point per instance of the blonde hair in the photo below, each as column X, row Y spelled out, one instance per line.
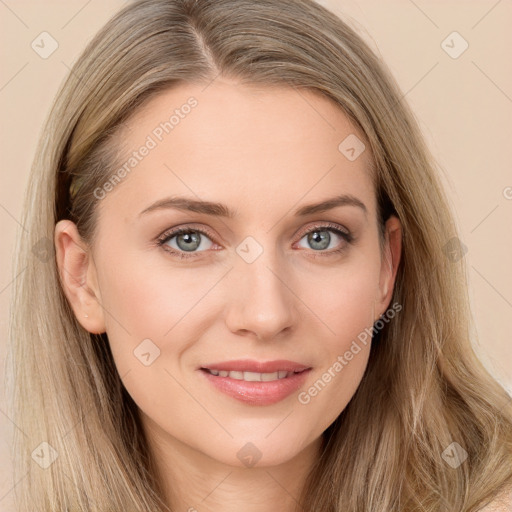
column 423, row 389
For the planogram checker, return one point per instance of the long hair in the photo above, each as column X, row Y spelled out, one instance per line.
column 423, row 390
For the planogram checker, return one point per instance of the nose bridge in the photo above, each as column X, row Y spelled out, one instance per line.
column 261, row 300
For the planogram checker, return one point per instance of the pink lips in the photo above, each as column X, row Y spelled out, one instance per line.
column 257, row 392
column 248, row 365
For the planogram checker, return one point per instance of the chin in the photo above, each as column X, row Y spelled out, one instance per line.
column 261, row 451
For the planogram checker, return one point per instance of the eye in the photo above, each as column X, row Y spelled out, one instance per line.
column 187, row 241
column 320, row 237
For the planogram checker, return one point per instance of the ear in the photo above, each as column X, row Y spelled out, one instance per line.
column 78, row 277
column 389, row 263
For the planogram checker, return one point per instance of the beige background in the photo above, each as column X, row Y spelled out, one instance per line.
column 464, row 106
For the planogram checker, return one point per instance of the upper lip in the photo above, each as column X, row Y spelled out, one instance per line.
column 247, row 365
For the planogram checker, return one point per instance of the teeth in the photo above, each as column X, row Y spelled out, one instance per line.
column 252, row 376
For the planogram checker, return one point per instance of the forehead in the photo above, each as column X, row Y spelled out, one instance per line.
column 248, row 146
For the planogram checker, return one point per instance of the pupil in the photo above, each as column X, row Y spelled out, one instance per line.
column 319, row 239
column 189, row 237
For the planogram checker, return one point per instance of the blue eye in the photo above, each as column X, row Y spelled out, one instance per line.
column 319, row 238
column 187, row 241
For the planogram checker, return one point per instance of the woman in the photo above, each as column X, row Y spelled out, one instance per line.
column 251, row 303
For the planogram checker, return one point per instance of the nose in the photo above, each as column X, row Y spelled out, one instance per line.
column 261, row 301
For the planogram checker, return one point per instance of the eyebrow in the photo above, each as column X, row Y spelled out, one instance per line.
column 221, row 210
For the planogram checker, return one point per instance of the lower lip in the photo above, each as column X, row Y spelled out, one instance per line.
column 258, row 393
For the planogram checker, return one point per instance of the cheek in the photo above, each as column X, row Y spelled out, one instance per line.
column 149, row 313
column 140, row 302
column 155, row 312
column 344, row 298
column 344, row 302
column 149, row 298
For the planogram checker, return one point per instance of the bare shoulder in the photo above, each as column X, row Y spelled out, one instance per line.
column 502, row 503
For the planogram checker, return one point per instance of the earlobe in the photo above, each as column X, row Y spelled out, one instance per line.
column 78, row 277
column 390, row 261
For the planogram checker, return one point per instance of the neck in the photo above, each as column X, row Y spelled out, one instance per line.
column 192, row 481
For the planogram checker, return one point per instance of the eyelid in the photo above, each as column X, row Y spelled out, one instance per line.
column 168, row 233
column 323, row 225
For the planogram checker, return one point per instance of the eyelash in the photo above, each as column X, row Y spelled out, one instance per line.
column 168, row 235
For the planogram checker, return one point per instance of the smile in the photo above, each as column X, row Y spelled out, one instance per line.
column 252, row 376
column 256, row 383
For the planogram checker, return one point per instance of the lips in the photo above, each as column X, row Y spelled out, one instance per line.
column 256, row 366
column 256, row 383
column 252, row 376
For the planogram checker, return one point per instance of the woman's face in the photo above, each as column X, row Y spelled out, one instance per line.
column 277, row 279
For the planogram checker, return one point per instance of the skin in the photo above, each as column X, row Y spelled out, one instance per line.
column 264, row 152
